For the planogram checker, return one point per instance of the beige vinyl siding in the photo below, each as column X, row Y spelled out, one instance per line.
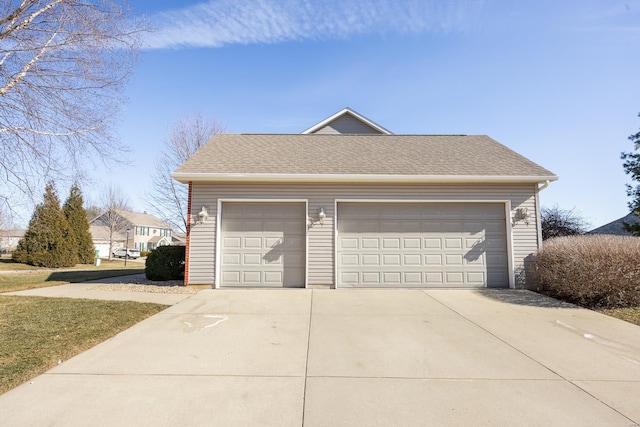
column 321, row 245
column 347, row 125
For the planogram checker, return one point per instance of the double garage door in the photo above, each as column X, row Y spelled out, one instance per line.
column 422, row 245
column 378, row 245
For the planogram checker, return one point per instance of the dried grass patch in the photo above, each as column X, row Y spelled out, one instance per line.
column 36, row 332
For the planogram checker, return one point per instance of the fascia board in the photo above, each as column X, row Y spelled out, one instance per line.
column 239, row 177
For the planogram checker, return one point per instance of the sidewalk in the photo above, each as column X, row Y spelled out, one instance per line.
column 92, row 290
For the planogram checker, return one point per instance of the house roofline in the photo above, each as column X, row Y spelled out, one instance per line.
column 342, row 112
column 185, row 178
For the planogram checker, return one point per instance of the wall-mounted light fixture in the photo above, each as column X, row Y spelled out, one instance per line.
column 321, row 216
column 202, row 216
column 521, row 214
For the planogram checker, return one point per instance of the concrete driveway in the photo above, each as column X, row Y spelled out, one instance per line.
column 348, row 358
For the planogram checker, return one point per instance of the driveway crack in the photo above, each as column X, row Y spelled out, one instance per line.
column 306, row 366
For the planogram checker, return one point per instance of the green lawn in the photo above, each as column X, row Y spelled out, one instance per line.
column 36, row 332
column 39, row 277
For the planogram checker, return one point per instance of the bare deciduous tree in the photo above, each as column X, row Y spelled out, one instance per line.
column 558, row 222
column 63, row 64
column 113, row 202
column 168, row 199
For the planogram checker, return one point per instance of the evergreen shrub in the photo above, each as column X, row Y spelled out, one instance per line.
column 165, row 263
column 48, row 241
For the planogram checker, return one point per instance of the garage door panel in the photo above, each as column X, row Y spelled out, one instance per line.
column 252, row 243
column 263, row 244
column 453, row 260
column 232, row 242
column 273, row 277
column 369, row 243
column 476, row 278
column 412, row 259
column 391, row 260
column 349, row 243
column 432, row 243
column 231, row 259
column 472, row 243
column 411, row 243
column 250, row 259
column 391, row 277
column 270, row 242
column 391, row 243
column 453, row 243
column 433, row 259
column 455, row 277
column 478, row 261
column 251, row 277
column 422, row 245
column 369, row 259
column 372, row 278
column 350, row 259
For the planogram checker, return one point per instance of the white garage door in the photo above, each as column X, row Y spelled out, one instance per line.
column 422, row 245
column 263, row 244
column 103, row 249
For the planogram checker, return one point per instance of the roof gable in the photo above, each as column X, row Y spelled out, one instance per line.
column 347, row 121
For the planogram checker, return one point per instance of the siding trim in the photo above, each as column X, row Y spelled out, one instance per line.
column 260, row 200
column 507, row 220
column 212, row 178
column 510, row 248
column 188, row 237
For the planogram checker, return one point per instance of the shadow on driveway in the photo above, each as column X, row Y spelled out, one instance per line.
column 525, row 297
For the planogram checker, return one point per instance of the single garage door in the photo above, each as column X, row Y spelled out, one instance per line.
column 263, row 244
column 422, row 245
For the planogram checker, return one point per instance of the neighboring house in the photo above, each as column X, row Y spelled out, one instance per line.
column 348, row 204
column 100, row 235
column 617, row 227
column 178, row 239
column 9, row 239
column 146, row 232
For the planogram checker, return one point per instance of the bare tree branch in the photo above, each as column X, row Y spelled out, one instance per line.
column 168, row 199
column 63, row 66
column 113, row 202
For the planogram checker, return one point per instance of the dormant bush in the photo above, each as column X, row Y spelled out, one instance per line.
column 593, row 271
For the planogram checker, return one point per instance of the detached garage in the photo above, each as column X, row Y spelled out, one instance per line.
column 347, row 204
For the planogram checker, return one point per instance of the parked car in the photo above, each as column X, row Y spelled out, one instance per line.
column 129, row 253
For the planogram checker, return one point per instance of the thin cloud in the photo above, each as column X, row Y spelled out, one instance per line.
column 217, row 23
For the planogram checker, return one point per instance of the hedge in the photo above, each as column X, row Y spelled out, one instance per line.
column 165, row 263
column 595, row 271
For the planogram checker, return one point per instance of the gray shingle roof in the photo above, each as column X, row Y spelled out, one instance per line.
column 365, row 155
column 143, row 219
column 617, row 227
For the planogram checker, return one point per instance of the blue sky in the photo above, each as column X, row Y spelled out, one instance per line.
column 557, row 81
